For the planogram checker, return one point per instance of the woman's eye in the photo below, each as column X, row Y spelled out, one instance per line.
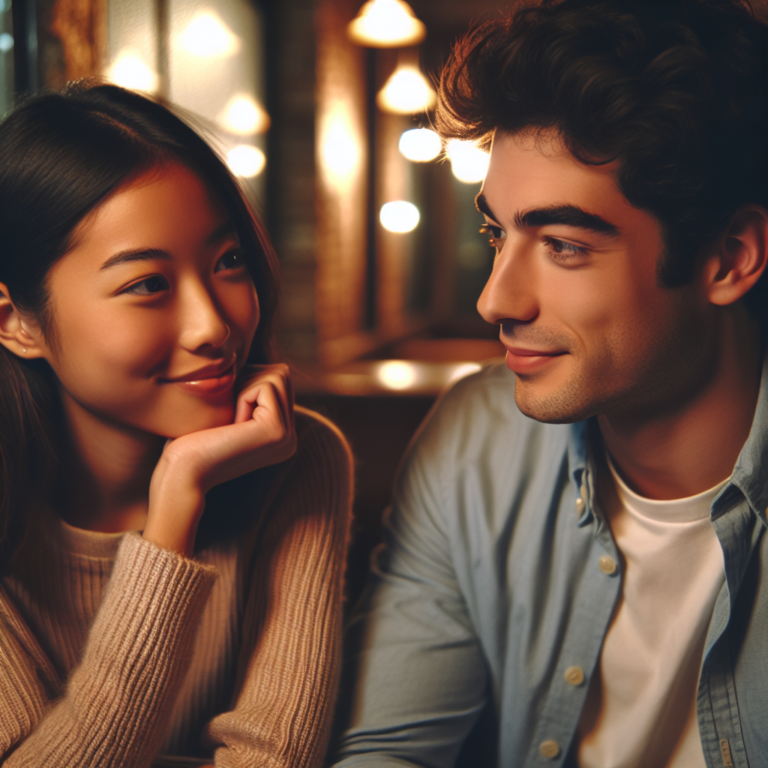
column 230, row 260
column 495, row 234
column 562, row 250
column 149, row 286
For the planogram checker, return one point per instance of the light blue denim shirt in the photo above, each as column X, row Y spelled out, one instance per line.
column 497, row 586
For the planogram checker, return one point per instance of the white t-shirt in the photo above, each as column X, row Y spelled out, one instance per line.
column 641, row 706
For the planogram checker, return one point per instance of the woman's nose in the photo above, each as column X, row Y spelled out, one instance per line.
column 202, row 322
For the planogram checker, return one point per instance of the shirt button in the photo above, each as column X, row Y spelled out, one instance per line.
column 607, row 565
column 574, row 675
column 549, row 748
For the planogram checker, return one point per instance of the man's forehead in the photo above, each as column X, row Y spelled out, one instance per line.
column 534, row 169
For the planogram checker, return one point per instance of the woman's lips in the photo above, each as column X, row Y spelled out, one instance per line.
column 206, row 382
column 524, row 361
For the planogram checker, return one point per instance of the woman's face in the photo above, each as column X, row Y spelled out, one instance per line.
column 153, row 309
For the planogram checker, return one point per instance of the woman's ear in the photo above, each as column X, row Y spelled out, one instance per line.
column 739, row 257
column 18, row 334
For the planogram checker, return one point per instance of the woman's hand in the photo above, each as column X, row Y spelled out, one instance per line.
column 263, row 433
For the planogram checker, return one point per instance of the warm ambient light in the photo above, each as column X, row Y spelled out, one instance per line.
column 386, row 24
column 340, row 151
column 468, row 163
column 129, row 71
column 397, row 374
column 246, row 161
column 462, row 370
column 208, row 36
column 244, row 116
column 407, row 92
column 399, row 216
column 420, row 145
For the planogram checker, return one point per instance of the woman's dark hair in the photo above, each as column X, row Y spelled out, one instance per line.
column 676, row 91
column 61, row 154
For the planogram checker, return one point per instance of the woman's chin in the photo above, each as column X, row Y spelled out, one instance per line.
column 200, row 419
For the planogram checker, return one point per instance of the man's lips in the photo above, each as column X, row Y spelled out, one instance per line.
column 523, row 360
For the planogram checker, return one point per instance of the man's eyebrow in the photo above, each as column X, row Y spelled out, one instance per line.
column 482, row 205
column 135, row 254
column 569, row 215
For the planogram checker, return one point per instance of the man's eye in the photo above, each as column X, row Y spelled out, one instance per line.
column 148, row 286
column 496, row 234
column 562, row 250
column 230, row 260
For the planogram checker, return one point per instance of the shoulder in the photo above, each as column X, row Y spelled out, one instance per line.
column 475, row 432
column 317, row 435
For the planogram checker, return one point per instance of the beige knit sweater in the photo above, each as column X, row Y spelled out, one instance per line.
column 114, row 652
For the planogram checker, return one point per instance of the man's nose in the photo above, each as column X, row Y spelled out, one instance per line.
column 510, row 293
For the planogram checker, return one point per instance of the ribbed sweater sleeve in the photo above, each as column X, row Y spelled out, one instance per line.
column 117, row 702
column 290, row 658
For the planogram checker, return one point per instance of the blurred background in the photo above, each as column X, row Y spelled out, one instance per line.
column 323, row 109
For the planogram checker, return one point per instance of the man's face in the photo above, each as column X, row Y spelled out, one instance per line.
column 587, row 327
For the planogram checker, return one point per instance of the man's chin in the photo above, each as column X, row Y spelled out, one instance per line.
column 555, row 408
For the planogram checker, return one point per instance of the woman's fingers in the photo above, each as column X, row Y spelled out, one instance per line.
column 259, row 377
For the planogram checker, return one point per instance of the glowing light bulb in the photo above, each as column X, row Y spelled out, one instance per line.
column 396, row 374
column 208, row 36
column 399, row 216
column 420, row 145
column 406, row 92
column 244, row 116
column 246, row 161
column 129, row 71
column 468, row 163
column 386, row 24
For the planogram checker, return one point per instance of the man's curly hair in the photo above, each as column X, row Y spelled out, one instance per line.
column 676, row 91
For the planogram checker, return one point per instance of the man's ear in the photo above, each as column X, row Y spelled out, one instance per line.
column 18, row 334
column 739, row 258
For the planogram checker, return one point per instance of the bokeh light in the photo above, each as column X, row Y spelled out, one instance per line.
column 407, row 92
column 399, row 216
column 386, row 24
column 246, row 161
column 208, row 36
column 420, row 145
column 468, row 163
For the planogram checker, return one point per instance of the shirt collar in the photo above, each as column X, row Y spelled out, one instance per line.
column 750, row 475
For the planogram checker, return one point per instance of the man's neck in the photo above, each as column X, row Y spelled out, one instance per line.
column 686, row 451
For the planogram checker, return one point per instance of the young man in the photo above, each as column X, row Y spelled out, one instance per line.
column 577, row 541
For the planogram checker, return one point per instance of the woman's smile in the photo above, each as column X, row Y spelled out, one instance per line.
column 161, row 266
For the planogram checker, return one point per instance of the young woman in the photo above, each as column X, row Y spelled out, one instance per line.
column 172, row 530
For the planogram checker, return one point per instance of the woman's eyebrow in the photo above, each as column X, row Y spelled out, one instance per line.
column 135, row 254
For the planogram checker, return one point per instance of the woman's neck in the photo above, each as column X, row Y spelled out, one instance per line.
column 105, row 472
